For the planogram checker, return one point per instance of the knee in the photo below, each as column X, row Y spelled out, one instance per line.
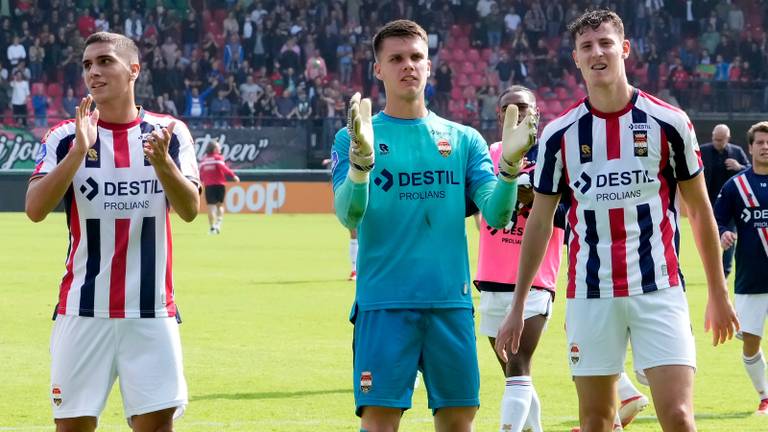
column 597, row 420
column 518, row 365
column 76, row 425
column 677, row 418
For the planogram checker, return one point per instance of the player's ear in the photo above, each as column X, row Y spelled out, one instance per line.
column 135, row 69
column 575, row 59
column 429, row 67
column 625, row 47
column 377, row 71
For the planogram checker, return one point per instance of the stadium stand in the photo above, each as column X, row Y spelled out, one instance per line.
column 712, row 57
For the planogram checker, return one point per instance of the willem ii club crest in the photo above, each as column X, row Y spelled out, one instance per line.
column 444, row 147
column 56, row 395
column 366, row 381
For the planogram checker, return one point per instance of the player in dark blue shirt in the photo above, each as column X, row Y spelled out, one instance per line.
column 743, row 202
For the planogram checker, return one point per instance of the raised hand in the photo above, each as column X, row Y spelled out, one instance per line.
column 360, row 130
column 156, row 146
column 86, row 130
column 516, row 140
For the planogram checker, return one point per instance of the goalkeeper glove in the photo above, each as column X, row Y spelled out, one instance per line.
column 516, row 140
column 360, row 139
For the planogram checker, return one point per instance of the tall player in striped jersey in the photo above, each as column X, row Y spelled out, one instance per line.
column 413, row 274
column 622, row 154
column 743, row 201
column 119, row 170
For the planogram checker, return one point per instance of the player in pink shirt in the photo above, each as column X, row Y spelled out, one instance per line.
column 213, row 173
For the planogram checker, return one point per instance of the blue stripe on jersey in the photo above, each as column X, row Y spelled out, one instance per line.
column 146, row 128
column 551, row 148
column 645, row 223
column 88, row 290
column 147, row 283
column 63, row 148
column 678, row 149
column 173, row 150
column 94, row 163
column 639, row 116
column 593, row 262
column 585, row 138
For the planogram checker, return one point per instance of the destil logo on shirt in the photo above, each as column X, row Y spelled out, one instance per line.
column 417, row 185
column 121, row 195
column 614, row 185
column 758, row 216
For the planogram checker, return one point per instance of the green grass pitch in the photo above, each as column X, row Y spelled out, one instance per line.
column 267, row 344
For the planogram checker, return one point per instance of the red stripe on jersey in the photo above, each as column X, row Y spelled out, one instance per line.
column 667, row 236
column 117, row 275
column 612, row 138
column 66, row 282
column 618, row 252
column 745, row 191
column 170, row 305
column 122, row 155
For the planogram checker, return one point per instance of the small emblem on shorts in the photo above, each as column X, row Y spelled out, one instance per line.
column 575, row 354
column 56, row 395
column 506, row 427
column 444, row 147
column 366, row 382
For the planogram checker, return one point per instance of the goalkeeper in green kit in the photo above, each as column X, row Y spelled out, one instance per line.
column 400, row 177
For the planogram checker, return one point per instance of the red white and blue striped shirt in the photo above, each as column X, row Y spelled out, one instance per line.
column 621, row 170
column 119, row 262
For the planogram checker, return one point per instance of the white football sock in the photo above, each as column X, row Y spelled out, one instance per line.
column 516, row 403
column 353, row 253
column 626, row 388
column 755, row 367
column 533, row 421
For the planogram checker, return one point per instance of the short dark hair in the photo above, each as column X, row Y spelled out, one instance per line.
column 398, row 28
column 593, row 19
column 757, row 127
column 121, row 43
column 514, row 89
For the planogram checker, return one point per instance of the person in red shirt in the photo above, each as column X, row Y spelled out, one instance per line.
column 213, row 173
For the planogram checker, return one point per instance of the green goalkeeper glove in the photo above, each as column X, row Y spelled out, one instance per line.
column 360, row 139
column 516, row 140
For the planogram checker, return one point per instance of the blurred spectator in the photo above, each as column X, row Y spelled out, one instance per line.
column 484, row 7
column 488, row 98
column 220, row 110
column 230, row 25
column 68, row 103
column 535, row 21
column 344, row 54
column 284, row 104
column 190, row 33
column 267, row 107
column 195, row 105
column 233, row 53
column 166, row 105
column 36, row 58
column 443, row 88
column 101, row 23
column 290, row 55
column 5, row 95
column 315, row 67
column 40, row 104
column 555, row 14
column 303, row 109
column 494, row 26
column 19, row 99
column 504, row 71
column 133, row 26
column 71, row 66
column 16, row 52
column 512, row 20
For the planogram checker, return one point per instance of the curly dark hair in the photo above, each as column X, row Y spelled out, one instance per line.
column 593, row 19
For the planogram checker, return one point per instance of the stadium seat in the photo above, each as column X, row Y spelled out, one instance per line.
column 478, row 80
column 54, row 90
column 562, row 93
column 468, row 68
column 463, row 43
column 458, row 55
column 463, row 81
column 38, row 88
column 486, row 54
column 456, row 31
column 473, row 55
column 445, row 55
column 455, row 93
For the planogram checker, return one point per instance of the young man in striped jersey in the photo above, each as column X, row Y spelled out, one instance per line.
column 119, row 170
column 622, row 154
column 743, row 202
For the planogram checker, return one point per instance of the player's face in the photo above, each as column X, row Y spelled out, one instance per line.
column 525, row 102
column 759, row 149
column 403, row 66
column 599, row 54
column 106, row 73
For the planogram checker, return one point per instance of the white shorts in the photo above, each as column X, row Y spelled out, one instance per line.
column 89, row 353
column 751, row 310
column 494, row 307
column 657, row 325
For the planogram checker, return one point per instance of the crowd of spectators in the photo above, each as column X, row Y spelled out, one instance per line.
column 245, row 63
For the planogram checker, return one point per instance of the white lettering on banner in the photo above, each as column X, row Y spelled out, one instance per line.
column 16, row 150
column 259, row 197
column 245, row 152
